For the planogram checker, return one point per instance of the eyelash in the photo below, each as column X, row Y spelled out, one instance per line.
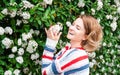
column 76, row 27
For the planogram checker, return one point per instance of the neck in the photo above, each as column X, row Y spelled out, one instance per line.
column 75, row 44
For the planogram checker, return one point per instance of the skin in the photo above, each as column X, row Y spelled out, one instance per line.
column 76, row 33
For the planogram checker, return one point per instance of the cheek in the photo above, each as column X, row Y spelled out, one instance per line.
column 80, row 35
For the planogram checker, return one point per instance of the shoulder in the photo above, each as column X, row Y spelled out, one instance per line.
column 79, row 52
column 75, row 53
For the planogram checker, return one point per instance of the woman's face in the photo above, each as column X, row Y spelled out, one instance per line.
column 76, row 31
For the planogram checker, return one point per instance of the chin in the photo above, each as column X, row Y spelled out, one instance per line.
column 69, row 37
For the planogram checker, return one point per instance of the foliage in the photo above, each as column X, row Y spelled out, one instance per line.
column 22, row 35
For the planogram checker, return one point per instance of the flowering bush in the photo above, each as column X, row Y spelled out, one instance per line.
column 22, row 34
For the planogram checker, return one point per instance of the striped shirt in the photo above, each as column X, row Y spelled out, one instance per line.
column 69, row 61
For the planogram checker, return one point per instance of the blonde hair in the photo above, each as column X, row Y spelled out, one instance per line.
column 93, row 32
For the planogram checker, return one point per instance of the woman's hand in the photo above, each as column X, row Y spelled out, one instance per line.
column 52, row 35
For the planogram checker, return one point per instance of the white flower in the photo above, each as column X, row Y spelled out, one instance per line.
column 109, row 16
column 19, row 41
column 37, row 32
column 114, row 57
column 68, row 23
column 34, row 56
column 26, row 70
column 2, row 31
column 18, row 22
column 92, row 55
column 119, row 36
column 24, row 21
column 14, row 49
column 118, row 46
column 27, row 36
column 115, row 18
column 8, row 30
column 97, row 74
column 19, row 12
column 104, row 44
column 5, row 11
column 27, row 4
column 57, row 27
column 69, row 0
column 81, row 3
column 94, row 61
column 114, row 71
column 117, row 2
column 48, row 1
column 38, row 62
column 105, row 73
column 110, row 44
column 12, row 13
column 16, row 72
column 30, row 73
column 107, row 63
column 98, row 19
column 32, row 45
column 83, row 12
column 31, row 31
column 11, row 56
column 118, row 10
column 19, row 59
column 25, row 15
column 113, row 25
column 20, row 51
column 103, row 69
column 112, row 51
column 101, row 56
column 7, row 42
column 24, row 44
column 91, row 64
column 13, row 4
column 118, row 65
column 93, row 11
column 8, row 72
column 103, row 61
column 100, row 5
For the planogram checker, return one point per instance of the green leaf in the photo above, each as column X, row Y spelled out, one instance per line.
column 41, row 9
column 1, row 16
column 11, row 1
column 26, row 28
column 2, row 62
column 39, row 22
column 12, row 22
column 1, row 70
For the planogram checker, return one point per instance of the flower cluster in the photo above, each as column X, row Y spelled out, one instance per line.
column 7, row 42
column 7, row 30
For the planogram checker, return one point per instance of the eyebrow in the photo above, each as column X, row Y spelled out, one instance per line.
column 76, row 24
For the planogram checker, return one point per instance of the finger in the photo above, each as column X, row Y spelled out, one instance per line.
column 46, row 30
column 51, row 33
column 59, row 34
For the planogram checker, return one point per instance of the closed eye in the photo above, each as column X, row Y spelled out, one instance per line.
column 78, row 27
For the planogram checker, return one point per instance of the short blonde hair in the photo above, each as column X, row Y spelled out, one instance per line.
column 93, row 31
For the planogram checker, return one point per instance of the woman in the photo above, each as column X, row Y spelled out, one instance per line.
column 85, row 35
